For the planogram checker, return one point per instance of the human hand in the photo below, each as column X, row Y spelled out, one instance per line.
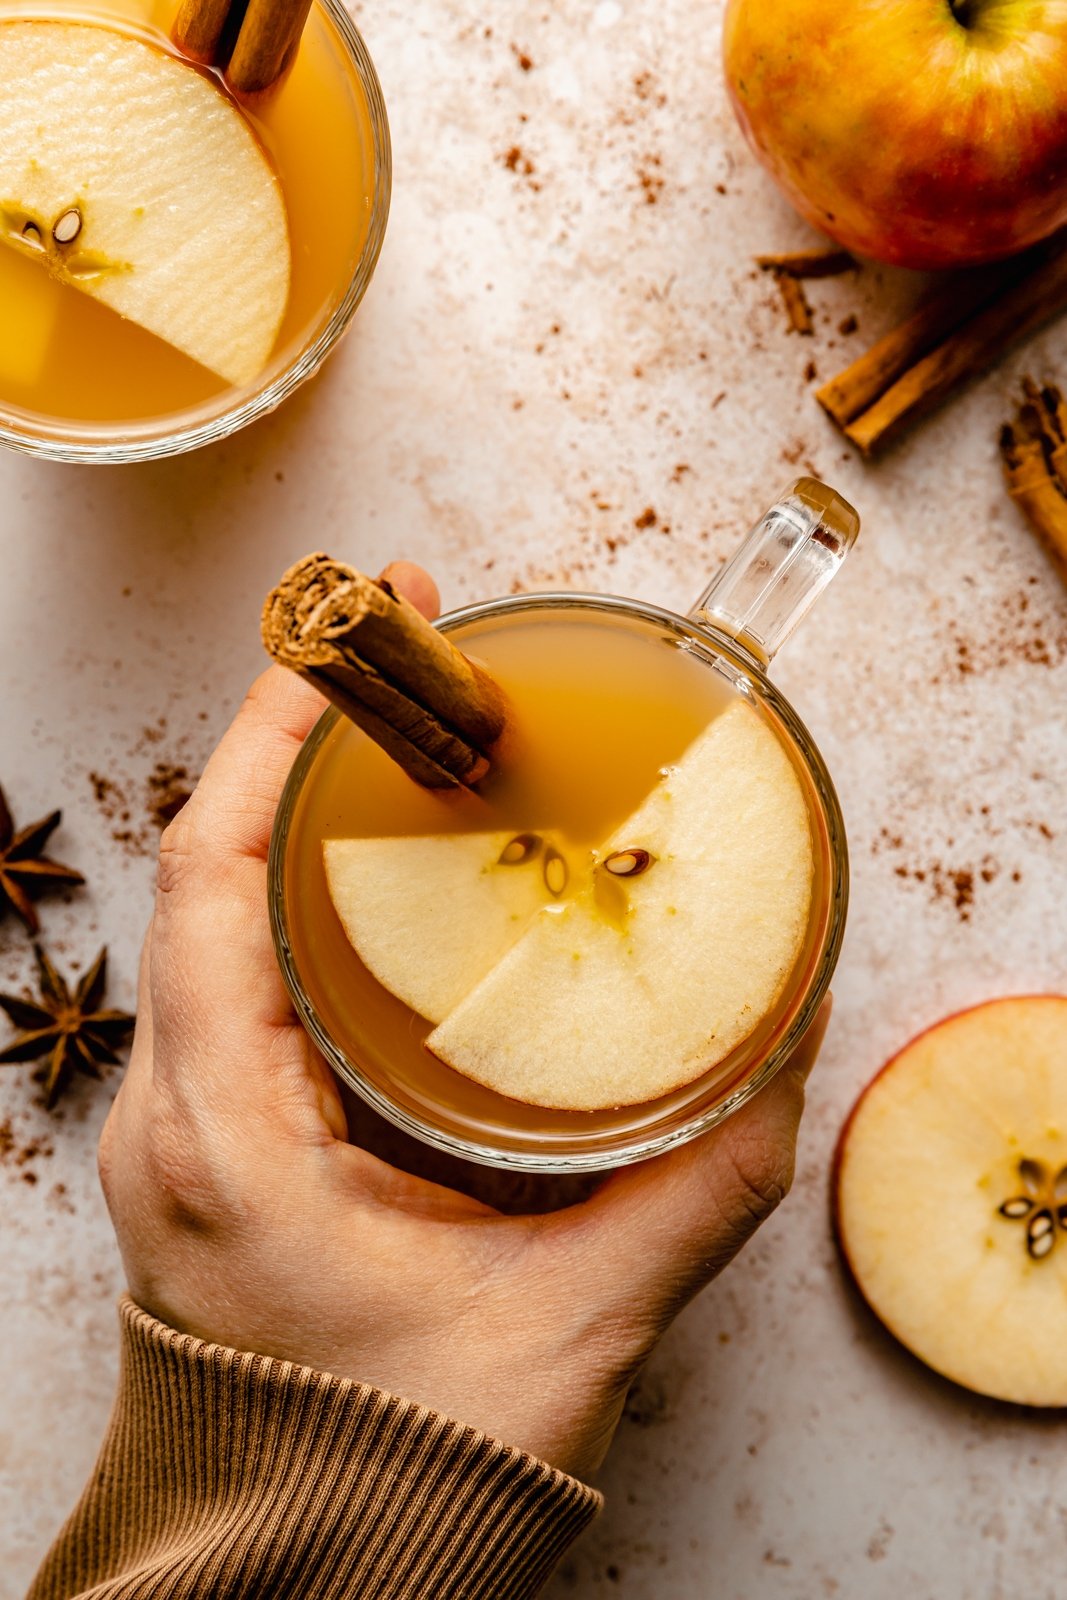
column 245, row 1217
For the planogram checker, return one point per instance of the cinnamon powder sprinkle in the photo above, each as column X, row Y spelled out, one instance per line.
column 648, row 176
column 138, row 807
column 954, row 886
column 18, row 1154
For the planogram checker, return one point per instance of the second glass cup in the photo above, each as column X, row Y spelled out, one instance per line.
column 609, row 695
column 79, row 383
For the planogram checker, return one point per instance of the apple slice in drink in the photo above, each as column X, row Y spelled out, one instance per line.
column 130, row 176
column 602, row 1005
column 950, row 1198
column 430, row 915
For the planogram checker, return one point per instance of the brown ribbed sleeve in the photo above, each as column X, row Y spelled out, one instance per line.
column 225, row 1474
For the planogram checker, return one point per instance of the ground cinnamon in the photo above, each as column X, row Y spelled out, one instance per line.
column 388, row 669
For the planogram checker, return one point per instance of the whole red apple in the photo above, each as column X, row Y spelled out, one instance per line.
column 928, row 133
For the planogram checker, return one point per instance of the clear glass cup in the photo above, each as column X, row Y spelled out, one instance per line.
column 293, row 362
column 735, row 628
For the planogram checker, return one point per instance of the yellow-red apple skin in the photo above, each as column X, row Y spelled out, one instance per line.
column 901, row 133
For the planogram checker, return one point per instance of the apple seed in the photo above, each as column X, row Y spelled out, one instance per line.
column 1038, row 1207
column 629, row 863
column 68, row 226
column 522, row 848
column 555, row 871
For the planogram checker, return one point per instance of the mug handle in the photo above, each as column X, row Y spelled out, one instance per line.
column 780, row 569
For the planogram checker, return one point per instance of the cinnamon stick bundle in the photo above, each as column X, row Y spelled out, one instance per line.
column 959, row 332
column 387, row 669
column 253, row 40
column 1034, row 452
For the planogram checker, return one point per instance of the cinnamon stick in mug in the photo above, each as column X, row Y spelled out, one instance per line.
column 253, row 40
column 387, row 669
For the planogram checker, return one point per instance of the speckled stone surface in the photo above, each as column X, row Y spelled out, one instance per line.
column 565, row 335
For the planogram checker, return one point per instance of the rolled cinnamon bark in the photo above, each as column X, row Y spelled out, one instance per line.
column 1034, row 452
column 387, row 669
column 200, row 28
column 253, row 40
column 266, row 43
column 960, row 331
column 809, row 263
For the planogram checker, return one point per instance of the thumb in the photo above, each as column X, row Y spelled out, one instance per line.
column 656, row 1233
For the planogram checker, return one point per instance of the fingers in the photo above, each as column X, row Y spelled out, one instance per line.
column 655, row 1233
column 215, row 982
column 416, row 585
column 235, row 802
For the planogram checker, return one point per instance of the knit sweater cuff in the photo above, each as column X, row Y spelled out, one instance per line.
column 230, row 1475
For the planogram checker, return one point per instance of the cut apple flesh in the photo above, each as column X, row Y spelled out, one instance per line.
column 951, row 1198
column 129, row 176
column 429, row 916
column 676, row 947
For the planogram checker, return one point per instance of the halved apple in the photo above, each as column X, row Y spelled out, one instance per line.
column 430, row 915
column 130, row 176
column 614, row 998
column 950, row 1198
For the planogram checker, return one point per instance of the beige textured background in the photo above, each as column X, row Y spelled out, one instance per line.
column 566, row 330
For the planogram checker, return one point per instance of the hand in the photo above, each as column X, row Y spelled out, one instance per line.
column 246, row 1218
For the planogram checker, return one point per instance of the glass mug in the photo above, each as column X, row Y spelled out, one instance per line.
column 734, row 630
column 332, row 98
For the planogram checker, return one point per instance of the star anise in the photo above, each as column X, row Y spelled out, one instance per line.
column 67, row 1027
column 24, row 871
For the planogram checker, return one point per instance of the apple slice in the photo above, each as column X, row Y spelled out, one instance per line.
column 130, row 176
column 673, row 953
column 950, row 1198
column 430, row 915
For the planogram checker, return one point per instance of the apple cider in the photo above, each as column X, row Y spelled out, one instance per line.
column 69, row 357
column 604, row 704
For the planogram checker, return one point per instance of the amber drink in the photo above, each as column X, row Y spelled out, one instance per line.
column 621, row 717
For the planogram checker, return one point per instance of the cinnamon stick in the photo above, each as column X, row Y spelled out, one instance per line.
column 387, row 669
column 796, row 304
column 253, row 40
column 266, row 44
column 1034, row 453
column 198, row 30
column 809, row 263
column 959, row 332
